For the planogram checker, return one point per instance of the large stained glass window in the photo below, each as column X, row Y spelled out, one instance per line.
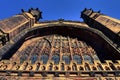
column 56, row 48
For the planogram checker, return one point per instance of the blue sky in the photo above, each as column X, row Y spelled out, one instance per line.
column 56, row 9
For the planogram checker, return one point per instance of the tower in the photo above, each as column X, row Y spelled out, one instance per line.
column 59, row 49
column 108, row 25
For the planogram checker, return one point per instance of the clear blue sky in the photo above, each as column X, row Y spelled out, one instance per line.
column 55, row 9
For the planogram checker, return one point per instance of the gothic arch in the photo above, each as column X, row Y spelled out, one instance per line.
column 96, row 39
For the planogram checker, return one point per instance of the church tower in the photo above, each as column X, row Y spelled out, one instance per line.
column 108, row 25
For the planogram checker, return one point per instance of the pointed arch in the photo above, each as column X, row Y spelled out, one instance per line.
column 96, row 39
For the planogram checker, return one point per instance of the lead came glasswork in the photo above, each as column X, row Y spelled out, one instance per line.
column 56, row 46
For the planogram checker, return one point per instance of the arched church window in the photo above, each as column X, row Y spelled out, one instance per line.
column 77, row 59
column 44, row 58
column 66, row 59
column 56, row 59
column 88, row 58
column 33, row 58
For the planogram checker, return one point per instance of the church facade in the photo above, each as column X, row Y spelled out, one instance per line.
column 60, row 49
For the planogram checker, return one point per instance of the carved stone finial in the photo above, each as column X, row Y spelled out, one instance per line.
column 36, row 13
column 31, row 8
column 37, row 9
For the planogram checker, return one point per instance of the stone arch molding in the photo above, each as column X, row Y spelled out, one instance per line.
column 73, row 29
